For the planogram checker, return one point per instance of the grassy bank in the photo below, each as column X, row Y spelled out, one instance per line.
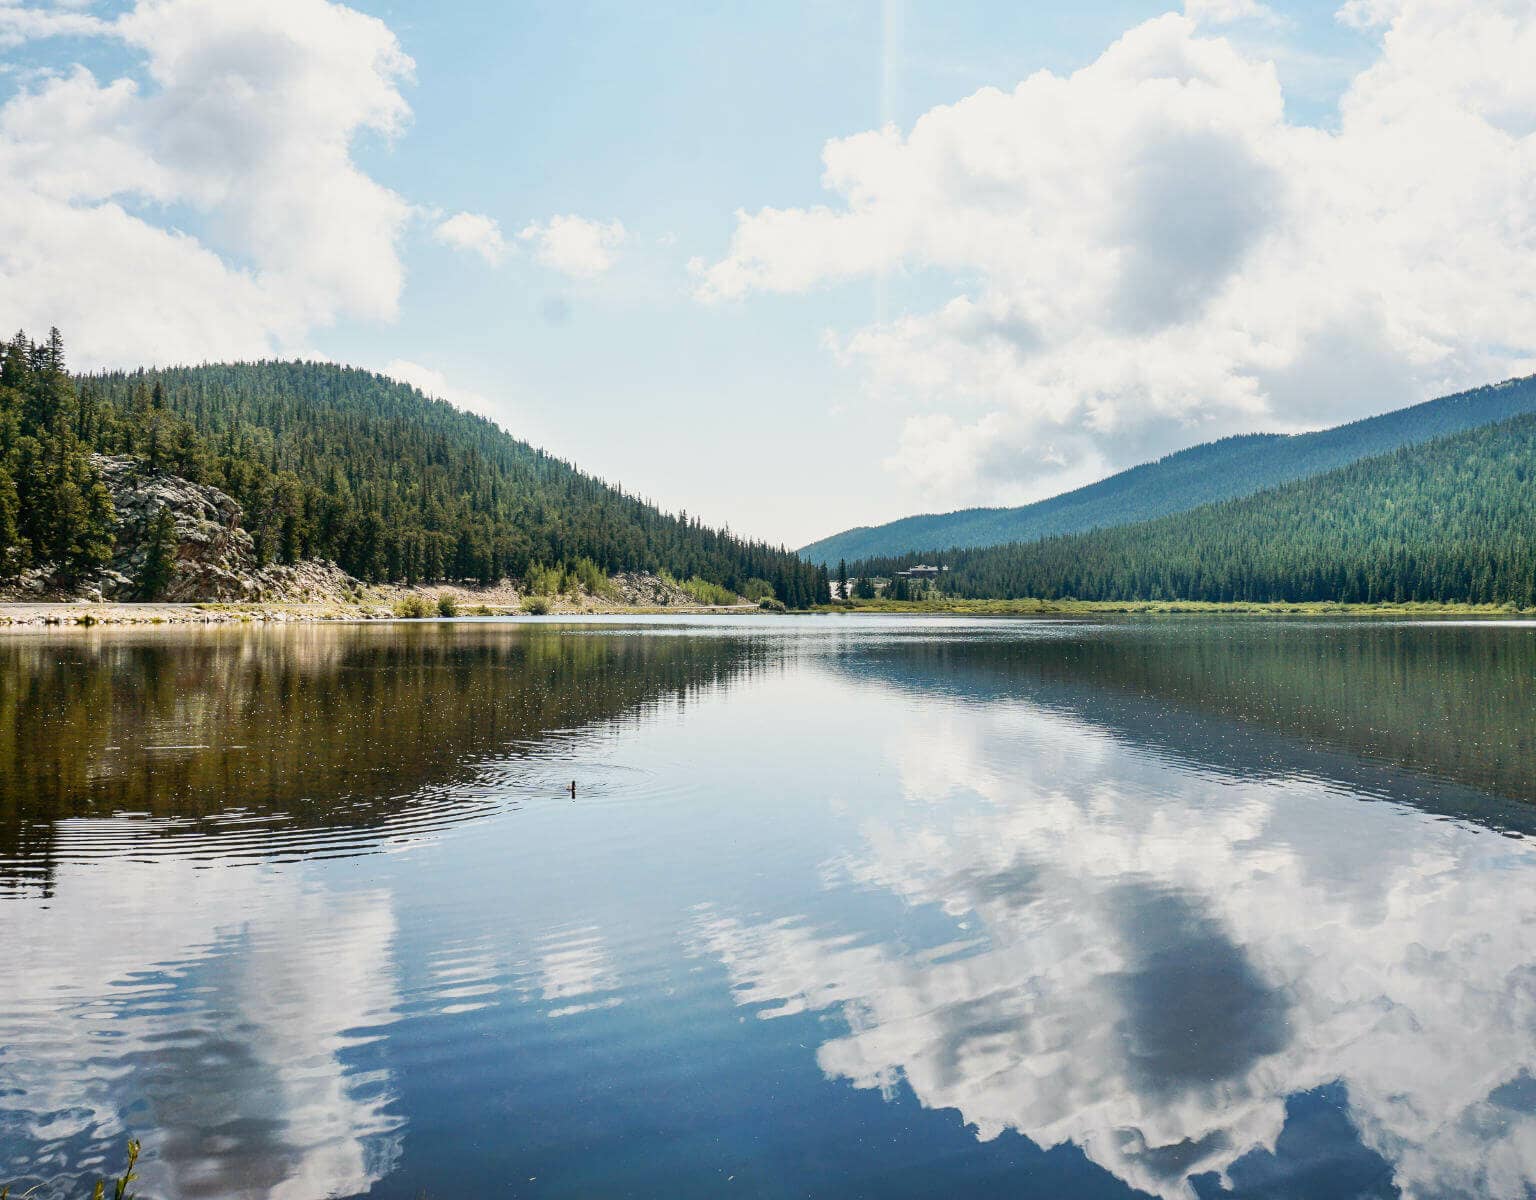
column 1000, row 608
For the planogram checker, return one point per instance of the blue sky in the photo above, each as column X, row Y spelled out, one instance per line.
column 866, row 360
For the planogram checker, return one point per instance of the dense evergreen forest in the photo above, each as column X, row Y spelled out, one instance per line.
column 335, row 462
column 1452, row 520
column 1222, row 470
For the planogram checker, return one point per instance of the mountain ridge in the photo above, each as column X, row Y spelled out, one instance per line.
column 1451, row 520
column 1224, row 469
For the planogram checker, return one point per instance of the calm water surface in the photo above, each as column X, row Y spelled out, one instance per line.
column 842, row 907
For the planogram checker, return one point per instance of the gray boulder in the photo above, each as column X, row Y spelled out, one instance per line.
column 215, row 558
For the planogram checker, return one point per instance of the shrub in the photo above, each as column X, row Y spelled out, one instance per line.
column 709, row 593
column 412, row 605
column 447, row 606
column 544, row 581
column 535, row 606
column 590, row 577
column 583, row 575
column 757, row 590
column 769, row 604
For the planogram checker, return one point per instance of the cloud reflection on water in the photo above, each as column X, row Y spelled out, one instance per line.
column 1153, row 962
column 224, row 1007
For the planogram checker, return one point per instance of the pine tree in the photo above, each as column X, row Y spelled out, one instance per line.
column 12, row 551
column 160, row 558
column 53, row 357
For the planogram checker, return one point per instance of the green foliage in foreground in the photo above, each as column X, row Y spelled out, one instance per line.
column 1451, row 521
column 119, row 1185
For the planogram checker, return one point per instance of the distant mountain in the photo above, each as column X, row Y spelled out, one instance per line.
column 1221, row 470
column 1450, row 520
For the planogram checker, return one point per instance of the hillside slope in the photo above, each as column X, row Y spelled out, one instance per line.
column 1222, row 470
column 1450, row 520
column 335, row 462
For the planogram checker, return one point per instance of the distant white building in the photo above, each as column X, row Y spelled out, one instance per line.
column 922, row 571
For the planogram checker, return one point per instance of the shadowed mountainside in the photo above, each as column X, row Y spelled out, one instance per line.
column 1221, row 470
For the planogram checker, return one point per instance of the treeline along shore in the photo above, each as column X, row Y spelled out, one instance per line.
column 306, row 491
column 217, row 482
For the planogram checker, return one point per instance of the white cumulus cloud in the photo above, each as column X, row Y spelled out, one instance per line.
column 1147, row 252
column 575, row 246
column 20, row 23
column 473, row 233
column 243, row 115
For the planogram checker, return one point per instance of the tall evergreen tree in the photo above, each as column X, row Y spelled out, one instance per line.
column 12, row 551
column 160, row 560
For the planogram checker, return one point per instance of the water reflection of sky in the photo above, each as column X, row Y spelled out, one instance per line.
column 1148, row 964
column 820, row 927
column 230, row 1011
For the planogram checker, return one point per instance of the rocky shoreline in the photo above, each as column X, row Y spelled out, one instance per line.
column 20, row 617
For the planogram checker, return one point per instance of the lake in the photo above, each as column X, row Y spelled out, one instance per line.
column 840, row 906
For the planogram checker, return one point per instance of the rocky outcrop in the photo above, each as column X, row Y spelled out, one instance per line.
column 650, row 591
column 215, row 558
column 313, row 581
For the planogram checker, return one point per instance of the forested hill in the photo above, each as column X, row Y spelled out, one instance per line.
column 1450, row 520
column 1222, row 470
column 334, row 462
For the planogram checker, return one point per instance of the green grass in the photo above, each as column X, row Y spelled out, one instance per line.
column 1068, row 607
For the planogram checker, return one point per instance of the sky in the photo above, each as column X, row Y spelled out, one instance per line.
column 801, row 266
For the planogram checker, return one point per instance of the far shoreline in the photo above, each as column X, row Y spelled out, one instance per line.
column 1280, row 608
